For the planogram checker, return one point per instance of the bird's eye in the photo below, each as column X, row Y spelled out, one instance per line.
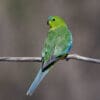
column 53, row 19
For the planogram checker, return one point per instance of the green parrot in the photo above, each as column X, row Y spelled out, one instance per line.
column 56, row 47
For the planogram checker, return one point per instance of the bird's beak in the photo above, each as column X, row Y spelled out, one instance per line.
column 47, row 22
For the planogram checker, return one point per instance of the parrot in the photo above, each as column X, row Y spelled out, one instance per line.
column 56, row 47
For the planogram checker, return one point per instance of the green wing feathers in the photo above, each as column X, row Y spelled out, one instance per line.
column 58, row 40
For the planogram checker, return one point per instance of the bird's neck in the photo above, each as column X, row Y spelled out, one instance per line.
column 56, row 27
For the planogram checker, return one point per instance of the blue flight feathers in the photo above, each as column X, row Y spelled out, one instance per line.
column 37, row 81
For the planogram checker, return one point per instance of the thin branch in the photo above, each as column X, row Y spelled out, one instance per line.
column 38, row 59
column 82, row 58
column 20, row 59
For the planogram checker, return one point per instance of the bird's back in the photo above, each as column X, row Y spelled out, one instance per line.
column 57, row 43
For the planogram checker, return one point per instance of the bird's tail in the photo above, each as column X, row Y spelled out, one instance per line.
column 41, row 74
column 37, row 81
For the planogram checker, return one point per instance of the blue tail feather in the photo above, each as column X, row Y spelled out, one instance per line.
column 37, row 81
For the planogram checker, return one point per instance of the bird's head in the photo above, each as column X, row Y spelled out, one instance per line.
column 55, row 21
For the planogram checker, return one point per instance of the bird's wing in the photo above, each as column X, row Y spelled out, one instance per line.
column 49, row 47
column 64, row 42
column 61, row 48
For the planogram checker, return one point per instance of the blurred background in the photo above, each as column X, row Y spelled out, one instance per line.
column 22, row 32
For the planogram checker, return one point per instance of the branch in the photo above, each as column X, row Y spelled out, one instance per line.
column 20, row 59
column 38, row 59
column 82, row 58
